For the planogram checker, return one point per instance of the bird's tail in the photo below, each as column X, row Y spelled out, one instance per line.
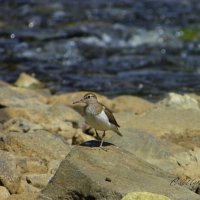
column 118, row 132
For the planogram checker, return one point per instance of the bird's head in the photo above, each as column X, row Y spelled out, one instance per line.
column 87, row 99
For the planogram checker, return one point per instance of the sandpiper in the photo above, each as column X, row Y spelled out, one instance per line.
column 98, row 116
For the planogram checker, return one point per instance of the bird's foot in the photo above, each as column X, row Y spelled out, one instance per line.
column 103, row 148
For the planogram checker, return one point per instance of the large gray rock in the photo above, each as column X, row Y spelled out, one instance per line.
column 108, row 174
column 147, row 147
column 167, row 156
column 141, row 143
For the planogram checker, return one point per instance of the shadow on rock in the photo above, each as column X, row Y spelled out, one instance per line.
column 95, row 143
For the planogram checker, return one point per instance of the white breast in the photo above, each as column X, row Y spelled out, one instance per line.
column 99, row 122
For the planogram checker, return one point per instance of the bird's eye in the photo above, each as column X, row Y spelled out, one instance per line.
column 88, row 97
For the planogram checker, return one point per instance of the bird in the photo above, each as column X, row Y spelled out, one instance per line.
column 98, row 116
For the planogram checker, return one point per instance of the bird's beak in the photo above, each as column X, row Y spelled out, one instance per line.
column 78, row 101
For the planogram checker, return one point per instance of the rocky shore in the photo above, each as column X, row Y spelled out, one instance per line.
column 47, row 152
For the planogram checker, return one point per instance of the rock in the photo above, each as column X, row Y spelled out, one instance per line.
column 4, row 193
column 130, row 103
column 147, row 147
column 109, row 173
column 53, row 166
column 11, row 96
column 163, row 122
column 38, row 180
column 20, row 125
column 53, row 118
column 23, row 196
column 37, row 144
column 180, row 101
column 167, row 156
column 188, row 164
column 26, row 81
column 26, row 187
column 150, row 37
column 64, row 113
column 183, row 158
column 9, row 174
column 144, row 196
column 140, row 143
column 195, row 96
column 33, row 165
column 67, row 131
column 177, row 128
column 196, row 153
column 80, row 137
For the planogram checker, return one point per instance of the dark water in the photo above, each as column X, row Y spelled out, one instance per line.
column 146, row 48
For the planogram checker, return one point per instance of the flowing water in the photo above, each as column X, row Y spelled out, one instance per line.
column 145, row 47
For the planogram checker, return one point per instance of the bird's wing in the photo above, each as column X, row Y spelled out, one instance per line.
column 111, row 117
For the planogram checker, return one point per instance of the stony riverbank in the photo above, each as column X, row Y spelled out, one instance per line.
column 41, row 158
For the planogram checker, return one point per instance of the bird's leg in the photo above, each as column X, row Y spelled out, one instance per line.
column 97, row 133
column 102, row 139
